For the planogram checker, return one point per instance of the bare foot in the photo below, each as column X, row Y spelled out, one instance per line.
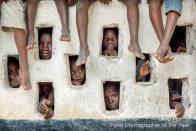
column 82, row 58
column 161, row 53
column 169, row 56
column 49, row 114
column 25, row 79
column 135, row 49
column 65, row 36
column 31, row 43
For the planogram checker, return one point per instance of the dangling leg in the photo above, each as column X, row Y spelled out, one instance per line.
column 133, row 20
column 31, row 13
column 62, row 7
column 173, row 9
column 82, row 26
column 157, row 22
column 20, row 39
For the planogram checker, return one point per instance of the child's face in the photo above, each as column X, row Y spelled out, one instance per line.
column 111, row 97
column 77, row 74
column 45, row 46
column 110, row 40
column 13, row 75
column 45, row 86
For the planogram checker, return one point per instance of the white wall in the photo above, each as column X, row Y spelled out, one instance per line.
column 137, row 99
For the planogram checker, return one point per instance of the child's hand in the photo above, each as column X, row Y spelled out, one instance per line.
column 49, row 114
column 179, row 110
column 145, row 69
column 44, row 105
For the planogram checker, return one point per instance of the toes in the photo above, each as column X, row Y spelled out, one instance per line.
column 31, row 46
column 62, row 38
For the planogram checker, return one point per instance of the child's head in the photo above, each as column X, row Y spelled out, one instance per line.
column 13, row 72
column 45, row 46
column 111, row 95
column 110, row 40
column 78, row 75
column 45, row 88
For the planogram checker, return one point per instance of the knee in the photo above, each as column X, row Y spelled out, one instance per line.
column 82, row 5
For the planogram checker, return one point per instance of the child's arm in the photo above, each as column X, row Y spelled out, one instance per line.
column 51, row 99
column 43, row 105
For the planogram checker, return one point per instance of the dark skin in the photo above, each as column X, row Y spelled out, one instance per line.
column 77, row 74
column 82, row 7
column 45, row 46
column 1, row 1
column 46, row 104
column 13, row 75
column 164, row 34
column 111, row 97
column 20, row 40
column 163, row 53
column 110, row 43
column 176, row 98
column 175, row 104
column 144, row 71
column 62, row 7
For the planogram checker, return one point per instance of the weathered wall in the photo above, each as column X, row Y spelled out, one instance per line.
column 138, row 100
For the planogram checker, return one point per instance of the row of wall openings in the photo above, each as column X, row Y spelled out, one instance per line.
column 110, row 41
column 46, row 99
column 111, row 90
column 109, row 48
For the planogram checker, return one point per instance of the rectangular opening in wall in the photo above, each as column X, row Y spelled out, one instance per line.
column 13, row 67
column 111, row 90
column 45, row 43
column 143, row 69
column 77, row 73
column 110, row 41
column 175, row 92
column 46, row 99
column 178, row 40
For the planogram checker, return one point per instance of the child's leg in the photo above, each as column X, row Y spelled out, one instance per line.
column 20, row 39
column 156, row 17
column 173, row 8
column 157, row 22
column 31, row 13
column 133, row 20
column 62, row 7
column 82, row 26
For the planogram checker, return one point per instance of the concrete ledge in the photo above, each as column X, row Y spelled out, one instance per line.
column 73, row 125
